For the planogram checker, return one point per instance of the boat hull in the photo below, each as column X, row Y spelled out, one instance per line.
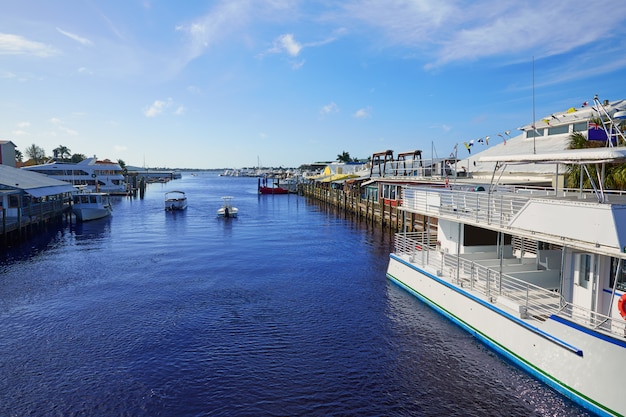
column 273, row 190
column 581, row 364
column 175, row 205
column 91, row 213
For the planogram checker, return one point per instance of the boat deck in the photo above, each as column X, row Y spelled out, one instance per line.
column 514, row 284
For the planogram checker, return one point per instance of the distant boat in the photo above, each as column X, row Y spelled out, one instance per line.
column 278, row 186
column 175, row 200
column 227, row 210
column 91, row 206
column 94, row 175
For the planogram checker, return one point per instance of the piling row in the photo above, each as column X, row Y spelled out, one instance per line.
column 380, row 213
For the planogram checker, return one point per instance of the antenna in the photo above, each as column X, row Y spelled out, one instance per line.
column 534, row 122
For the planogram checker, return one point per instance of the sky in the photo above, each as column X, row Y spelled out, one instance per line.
column 280, row 83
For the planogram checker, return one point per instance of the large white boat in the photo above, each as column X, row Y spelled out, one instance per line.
column 537, row 274
column 94, row 175
column 91, row 206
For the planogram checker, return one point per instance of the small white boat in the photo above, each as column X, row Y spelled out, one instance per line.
column 227, row 210
column 175, row 200
column 91, row 206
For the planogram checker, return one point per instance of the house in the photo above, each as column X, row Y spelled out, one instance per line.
column 27, row 197
column 7, row 153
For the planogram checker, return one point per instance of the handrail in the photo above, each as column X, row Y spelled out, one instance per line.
column 535, row 302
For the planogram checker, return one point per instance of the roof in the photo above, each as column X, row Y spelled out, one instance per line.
column 481, row 162
column 37, row 185
column 572, row 156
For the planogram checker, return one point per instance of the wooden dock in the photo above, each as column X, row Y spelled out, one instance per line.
column 378, row 213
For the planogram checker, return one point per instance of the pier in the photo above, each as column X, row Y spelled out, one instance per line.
column 381, row 212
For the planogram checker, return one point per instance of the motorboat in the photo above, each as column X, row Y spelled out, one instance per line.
column 91, row 205
column 92, row 174
column 227, row 210
column 277, row 186
column 175, row 200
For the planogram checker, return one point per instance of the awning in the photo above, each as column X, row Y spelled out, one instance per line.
column 52, row 190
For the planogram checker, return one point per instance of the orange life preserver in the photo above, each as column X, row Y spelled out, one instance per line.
column 621, row 306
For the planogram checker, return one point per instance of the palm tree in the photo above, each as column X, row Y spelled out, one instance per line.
column 344, row 157
column 36, row 153
column 615, row 174
column 62, row 152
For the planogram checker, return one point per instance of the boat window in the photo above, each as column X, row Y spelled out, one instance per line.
column 534, row 133
column 621, row 274
column 580, row 127
column 558, row 130
column 584, row 270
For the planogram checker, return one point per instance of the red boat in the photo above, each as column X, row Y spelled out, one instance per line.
column 274, row 186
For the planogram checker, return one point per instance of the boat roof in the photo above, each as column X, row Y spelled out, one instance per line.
column 37, row 185
column 571, row 156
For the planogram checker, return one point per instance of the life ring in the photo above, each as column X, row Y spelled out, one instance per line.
column 621, row 306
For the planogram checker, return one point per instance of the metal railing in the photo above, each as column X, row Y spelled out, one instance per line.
column 533, row 301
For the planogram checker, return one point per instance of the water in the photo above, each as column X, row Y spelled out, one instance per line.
column 284, row 311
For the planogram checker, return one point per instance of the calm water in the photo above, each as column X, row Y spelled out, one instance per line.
column 284, row 311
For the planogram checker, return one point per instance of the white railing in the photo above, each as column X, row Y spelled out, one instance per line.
column 533, row 301
column 481, row 207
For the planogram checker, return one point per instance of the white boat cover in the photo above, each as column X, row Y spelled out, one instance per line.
column 572, row 156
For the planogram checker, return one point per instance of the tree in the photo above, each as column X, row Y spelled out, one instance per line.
column 62, row 152
column 36, row 153
column 18, row 156
column 121, row 163
column 344, row 157
column 77, row 157
column 615, row 174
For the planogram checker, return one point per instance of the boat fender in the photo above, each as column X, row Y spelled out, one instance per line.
column 621, row 306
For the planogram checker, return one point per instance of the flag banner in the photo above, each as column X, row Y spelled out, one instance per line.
column 596, row 132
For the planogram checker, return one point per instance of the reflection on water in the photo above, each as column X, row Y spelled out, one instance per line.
column 284, row 310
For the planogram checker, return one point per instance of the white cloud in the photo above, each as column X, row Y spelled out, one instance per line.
column 19, row 133
column 120, row 148
column 160, row 106
column 463, row 30
column 330, row 108
column 363, row 113
column 287, row 44
column 79, row 39
column 18, row 45
column 23, row 125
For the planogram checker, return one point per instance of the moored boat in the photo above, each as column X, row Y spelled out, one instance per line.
column 277, row 185
column 538, row 275
column 175, row 200
column 92, row 174
column 227, row 210
column 91, row 206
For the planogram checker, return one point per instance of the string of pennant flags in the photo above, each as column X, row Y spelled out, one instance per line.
column 483, row 141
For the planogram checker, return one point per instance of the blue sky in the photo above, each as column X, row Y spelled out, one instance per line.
column 212, row 84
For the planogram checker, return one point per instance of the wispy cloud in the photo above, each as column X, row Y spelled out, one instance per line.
column 18, row 45
column 158, row 107
column 286, row 43
column 450, row 31
column 74, row 37
column 364, row 113
column 330, row 108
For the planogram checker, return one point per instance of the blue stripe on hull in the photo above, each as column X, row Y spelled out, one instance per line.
column 495, row 346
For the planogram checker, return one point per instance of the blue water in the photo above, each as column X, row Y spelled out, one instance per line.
column 284, row 311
